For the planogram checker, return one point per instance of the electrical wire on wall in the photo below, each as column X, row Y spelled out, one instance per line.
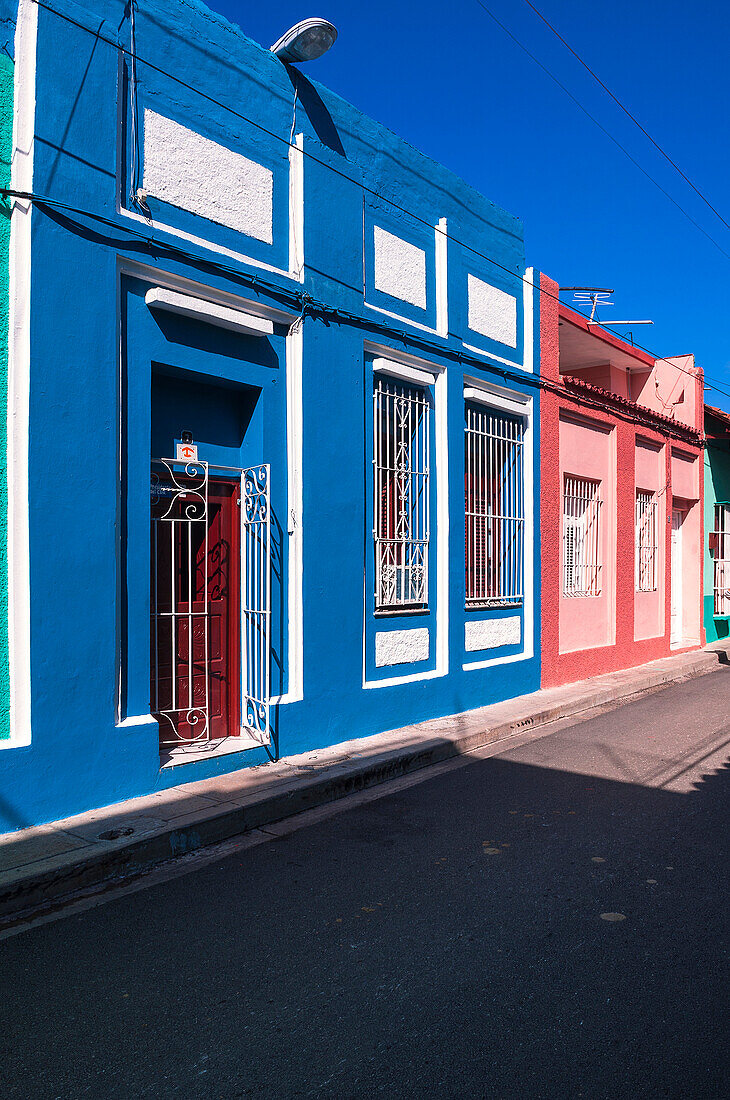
column 292, row 211
column 306, row 304
column 368, row 190
column 294, row 114
column 136, row 195
column 139, row 196
column 669, row 406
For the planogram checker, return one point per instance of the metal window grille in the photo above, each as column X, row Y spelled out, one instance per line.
column 494, row 508
column 581, row 537
column 722, row 559
column 401, row 450
column 646, row 542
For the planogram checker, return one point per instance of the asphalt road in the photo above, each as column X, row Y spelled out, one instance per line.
column 444, row 939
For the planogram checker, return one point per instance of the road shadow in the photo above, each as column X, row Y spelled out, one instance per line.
column 501, row 929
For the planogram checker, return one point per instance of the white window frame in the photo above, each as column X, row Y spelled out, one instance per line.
column 494, row 507
column 582, row 537
column 647, row 549
column 401, row 364
column 294, row 354
column 519, row 404
column 721, row 564
column 402, row 427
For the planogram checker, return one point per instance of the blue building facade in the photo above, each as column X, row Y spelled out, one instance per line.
column 273, row 417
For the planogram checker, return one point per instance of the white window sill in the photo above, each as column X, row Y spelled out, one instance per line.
column 386, row 612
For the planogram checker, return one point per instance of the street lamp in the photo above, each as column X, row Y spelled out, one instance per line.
column 305, row 41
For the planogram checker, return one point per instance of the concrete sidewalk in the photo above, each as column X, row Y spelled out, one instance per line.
column 41, row 868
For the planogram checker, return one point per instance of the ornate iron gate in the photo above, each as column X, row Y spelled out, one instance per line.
column 256, row 601
column 196, row 658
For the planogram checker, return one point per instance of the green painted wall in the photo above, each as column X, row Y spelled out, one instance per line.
column 6, row 136
column 717, row 489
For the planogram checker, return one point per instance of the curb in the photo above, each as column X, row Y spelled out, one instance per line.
column 34, row 893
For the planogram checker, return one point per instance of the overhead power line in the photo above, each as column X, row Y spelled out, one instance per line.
column 628, row 113
column 330, row 167
column 602, row 128
column 305, row 303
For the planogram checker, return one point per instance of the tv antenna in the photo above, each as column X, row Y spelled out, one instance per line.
column 598, row 296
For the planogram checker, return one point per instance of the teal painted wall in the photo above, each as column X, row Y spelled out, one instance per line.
column 6, row 134
column 717, row 489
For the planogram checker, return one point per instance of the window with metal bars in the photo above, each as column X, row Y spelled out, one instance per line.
column 493, row 508
column 721, row 542
column 581, row 537
column 646, row 541
column 401, row 455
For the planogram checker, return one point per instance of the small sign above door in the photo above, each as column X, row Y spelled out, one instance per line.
column 186, row 452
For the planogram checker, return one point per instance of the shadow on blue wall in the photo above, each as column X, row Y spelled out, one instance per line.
column 133, row 244
column 322, row 122
column 218, row 341
column 12, row 818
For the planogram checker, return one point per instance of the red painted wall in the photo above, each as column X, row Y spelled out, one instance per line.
column 626, row 652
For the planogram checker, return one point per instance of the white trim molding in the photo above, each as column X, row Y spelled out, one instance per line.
column 490, row 357
column 520, row 404
column 18, row 412
column 407, row 366
column 395, row 358
column 528, row 331
column 295, row 529
column 471, row 666
column 528, row 327
column 200, row 309
column 404, row 371
column 497, row 397
column 441, row 242
column 442, row 524
column 295, row 269
column 212, row 300
column 296, row 209
column 442, row 278
column 208, row 294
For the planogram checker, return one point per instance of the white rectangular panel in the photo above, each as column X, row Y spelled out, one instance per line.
column 401, row 647
column 189, row 171
column 492, row 312
column 400, row 268
column 491, row 633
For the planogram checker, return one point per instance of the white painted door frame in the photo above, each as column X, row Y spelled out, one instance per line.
column 675, row 630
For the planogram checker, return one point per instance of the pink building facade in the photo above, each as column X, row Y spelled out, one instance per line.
column 621, row 499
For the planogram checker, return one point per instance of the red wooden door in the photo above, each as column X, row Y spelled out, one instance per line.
column 196, row 619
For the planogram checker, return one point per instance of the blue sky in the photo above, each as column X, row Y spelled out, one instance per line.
column 447, row 79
